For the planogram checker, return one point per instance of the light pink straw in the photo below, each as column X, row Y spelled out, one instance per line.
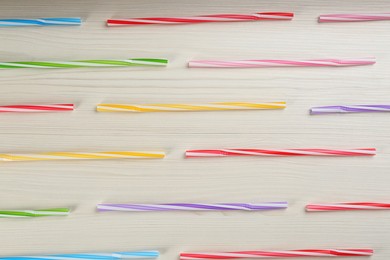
column 353, row 17
column 280, row 63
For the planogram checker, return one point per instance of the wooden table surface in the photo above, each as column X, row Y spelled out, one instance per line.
column 82, row 184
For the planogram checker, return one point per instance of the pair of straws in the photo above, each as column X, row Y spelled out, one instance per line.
column 254, row 63
column 360, row 17
column 235, row 106
column 159, row 20
column 148, row 107
column 205, row 255
column 49, row 156
column 152, row 207
column 345, row 206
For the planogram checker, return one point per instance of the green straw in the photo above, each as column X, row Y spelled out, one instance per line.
column 83, row 63
column 34, row 213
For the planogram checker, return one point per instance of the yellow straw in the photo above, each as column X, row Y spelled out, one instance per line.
column 189, row 107
column 80, row 156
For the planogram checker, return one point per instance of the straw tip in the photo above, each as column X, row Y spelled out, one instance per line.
column 196, row 64
column 57, row 209
column 70, row 106
column 313, row 111
column 67, row 20
column 321, row 19
column 100, row 207
column 289, row 15
column 78, row 19
column 189, row 154
column 278, row 15
column 156, row 60
column 308, row 208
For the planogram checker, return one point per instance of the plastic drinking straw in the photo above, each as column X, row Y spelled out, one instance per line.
column 284, row 152
column 201, row 19
column 34, row 213
column 278, row 254
column 326, row 18
column 349, row 109
column 189, row 107
column 348, row 206
column 37, row 108
column 83, row 63
column 280, row 63
column 81, row 156
column 91, row 256
column 192, row 206
column 40, row 22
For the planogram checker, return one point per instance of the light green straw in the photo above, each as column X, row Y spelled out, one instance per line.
column 34, row 213
column 83, row 63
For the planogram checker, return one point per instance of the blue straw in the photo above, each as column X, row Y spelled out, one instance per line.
column 40, row 22
column 98, row 256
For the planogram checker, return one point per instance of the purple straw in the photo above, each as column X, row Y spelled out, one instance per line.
column 192, row 206
column 349, row 109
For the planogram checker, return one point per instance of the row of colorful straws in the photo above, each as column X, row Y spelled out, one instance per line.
column 50, row 156
column 205, row 255
column 153, row 62
column 220, row 106
column 358, row 17
column 344, row 206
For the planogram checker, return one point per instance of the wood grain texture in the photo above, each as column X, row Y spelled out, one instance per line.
column 83, row 184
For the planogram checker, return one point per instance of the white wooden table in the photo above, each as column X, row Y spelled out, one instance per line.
column 83, row 184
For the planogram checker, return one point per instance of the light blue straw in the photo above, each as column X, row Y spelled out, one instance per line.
column 98, row 256
column 40, row 22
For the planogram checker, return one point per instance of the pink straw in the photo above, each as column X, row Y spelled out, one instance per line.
column 348, row 206
column 277, row 254
column 279, row 152
column 327, row 18
column 280, row 63
column 201, row 19
column 37, row 108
